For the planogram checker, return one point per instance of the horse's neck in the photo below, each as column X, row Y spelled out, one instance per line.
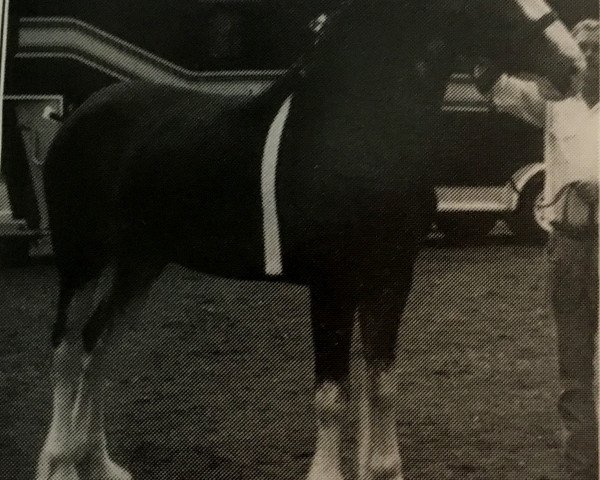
column 373, row 51
column 373, row 44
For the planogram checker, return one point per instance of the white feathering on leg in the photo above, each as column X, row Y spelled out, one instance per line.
column 330, row 408
column 379, row 455
column 76, row 447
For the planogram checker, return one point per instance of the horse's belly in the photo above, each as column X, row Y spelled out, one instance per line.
column 350, row 198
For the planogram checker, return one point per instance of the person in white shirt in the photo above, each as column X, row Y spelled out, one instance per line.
column 570, row 209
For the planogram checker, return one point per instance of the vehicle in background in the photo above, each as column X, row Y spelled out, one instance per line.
column 488, row 163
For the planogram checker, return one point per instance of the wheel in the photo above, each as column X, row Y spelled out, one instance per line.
column 527, row 222
column 14, row 252
column 465, row 226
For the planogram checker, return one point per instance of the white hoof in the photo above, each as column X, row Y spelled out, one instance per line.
column 48, row 470
column 51, row 468
column 43, row 469
column 65, row 472
column 319, row 474
column 385, row 471
column 386, row 475
column 104, row 469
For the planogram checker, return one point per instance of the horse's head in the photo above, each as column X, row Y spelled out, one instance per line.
column 528, row 36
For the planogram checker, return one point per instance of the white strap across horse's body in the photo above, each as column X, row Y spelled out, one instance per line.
column 268, row 179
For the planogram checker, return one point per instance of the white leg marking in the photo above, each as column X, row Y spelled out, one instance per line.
column 75, row 446
column 57, row 457
column 364, row 425
column 88, row 419
column 379, row 455
column 330, row 406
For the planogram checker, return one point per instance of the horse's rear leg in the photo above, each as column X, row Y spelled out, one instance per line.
column 76, row 447
column 379, row 315
column 55, row 461
column 332, row 319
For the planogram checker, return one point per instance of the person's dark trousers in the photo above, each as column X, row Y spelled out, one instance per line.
column 574, row 299
column 16, row 171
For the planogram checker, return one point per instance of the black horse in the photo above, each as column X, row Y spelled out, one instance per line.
column 142, row 175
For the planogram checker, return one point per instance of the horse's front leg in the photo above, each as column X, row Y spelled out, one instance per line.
column 379, row 453
column 332, row 319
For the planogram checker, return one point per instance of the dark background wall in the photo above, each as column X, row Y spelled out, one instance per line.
column 215, row 35
column 201, row 34
column 571, row 11
column 193, row 33
column 197, row 34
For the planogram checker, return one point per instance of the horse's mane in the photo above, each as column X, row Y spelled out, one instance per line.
column 350, row 17
column 296, row 73
column 343, row 20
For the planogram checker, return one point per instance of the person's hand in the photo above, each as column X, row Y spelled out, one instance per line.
column 588, row 191
column 550, row 93
column 485, row 76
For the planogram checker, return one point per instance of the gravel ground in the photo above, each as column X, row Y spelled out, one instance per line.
column 214, row 380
